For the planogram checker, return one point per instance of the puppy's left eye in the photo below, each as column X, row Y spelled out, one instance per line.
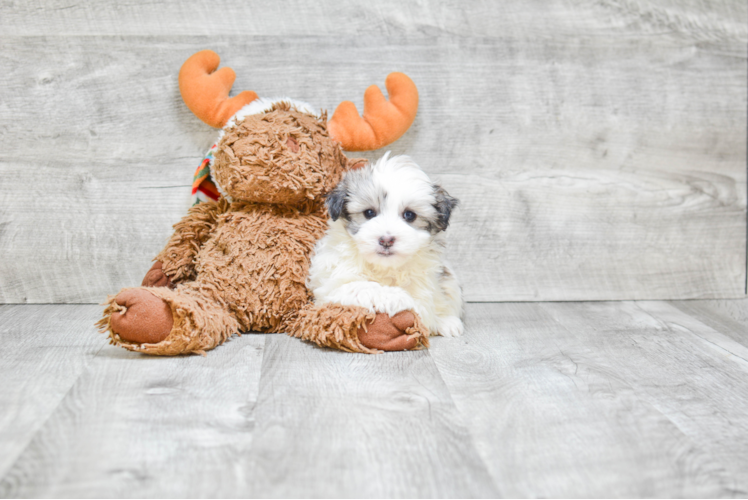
column 369, row 213
column 409, row 216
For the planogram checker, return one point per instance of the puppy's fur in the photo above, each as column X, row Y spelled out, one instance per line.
column 383, row 248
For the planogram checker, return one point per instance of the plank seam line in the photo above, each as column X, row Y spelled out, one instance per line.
column 5, row 473
column 462, row 422
column 720, row 320
column 696, row 334
column 717, row 345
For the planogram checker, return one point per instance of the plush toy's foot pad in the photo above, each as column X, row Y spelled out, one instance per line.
column 143, row 318
column 391, row 333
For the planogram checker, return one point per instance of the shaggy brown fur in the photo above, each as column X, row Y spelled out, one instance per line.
column 256, row 161
column 333, row 325
column 241, row 264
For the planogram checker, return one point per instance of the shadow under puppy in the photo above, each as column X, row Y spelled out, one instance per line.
column 384, row 246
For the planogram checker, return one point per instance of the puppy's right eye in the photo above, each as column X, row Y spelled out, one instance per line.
column 369, row 213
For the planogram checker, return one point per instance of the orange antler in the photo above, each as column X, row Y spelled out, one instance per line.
column 206, row 91
column 383, row 122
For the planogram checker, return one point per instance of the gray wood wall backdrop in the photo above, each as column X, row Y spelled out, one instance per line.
column 598, row 147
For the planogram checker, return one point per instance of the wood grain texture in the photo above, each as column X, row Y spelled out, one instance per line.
column 694, row 375
column 289, row 419
column 332, row 424
column 600, row 400
column 43, row 351
column 727, row 316
column 288, row 18
column 139, row 426
column 598, row 147
column 89, row 231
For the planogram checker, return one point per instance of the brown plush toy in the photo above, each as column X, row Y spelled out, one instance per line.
column 239, row 263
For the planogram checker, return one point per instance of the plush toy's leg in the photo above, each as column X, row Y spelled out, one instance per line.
column 356, row 329
column 138, row 319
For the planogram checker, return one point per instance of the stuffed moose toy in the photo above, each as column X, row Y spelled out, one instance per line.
column 239, row 262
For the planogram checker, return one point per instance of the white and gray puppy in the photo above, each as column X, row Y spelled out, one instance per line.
column 384, row 246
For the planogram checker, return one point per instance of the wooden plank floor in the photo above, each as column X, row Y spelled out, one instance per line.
column 536, row 400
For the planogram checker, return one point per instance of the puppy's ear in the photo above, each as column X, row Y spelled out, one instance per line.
column 444, row 206
column 336, row 199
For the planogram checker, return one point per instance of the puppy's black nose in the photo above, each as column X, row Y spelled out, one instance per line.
column 387, row 241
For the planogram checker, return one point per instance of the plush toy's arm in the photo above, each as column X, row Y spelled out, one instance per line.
column 356, row 329
column 178, row 257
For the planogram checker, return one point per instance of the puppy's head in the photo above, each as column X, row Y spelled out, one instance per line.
column 390, row 209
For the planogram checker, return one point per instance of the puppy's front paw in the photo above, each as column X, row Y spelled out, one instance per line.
column 375, row 297
column 392, row 300
column 450, row 326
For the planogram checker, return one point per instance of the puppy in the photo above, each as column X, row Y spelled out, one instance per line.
column 383, row 248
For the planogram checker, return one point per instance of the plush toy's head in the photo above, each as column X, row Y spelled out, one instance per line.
column 281, row 156
column 283, row 152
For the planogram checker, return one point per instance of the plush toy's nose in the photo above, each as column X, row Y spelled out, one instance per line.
column 292, row 144
column 387, row 241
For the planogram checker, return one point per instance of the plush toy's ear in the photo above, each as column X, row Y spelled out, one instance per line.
column 206, row 91
column 356, row 163
column 383, row 121
column 336, row 200
column 444, row 206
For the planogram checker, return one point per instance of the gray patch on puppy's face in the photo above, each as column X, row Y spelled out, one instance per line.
column 361, row 193
column 357, row 188
column 336, row 201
